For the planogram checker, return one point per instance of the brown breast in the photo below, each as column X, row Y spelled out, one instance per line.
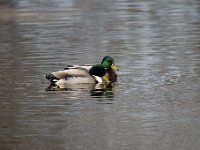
column 112, row 75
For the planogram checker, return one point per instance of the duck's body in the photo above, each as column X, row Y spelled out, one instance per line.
column 84, row 74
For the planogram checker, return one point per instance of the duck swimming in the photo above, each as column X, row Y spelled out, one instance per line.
column 103, row 73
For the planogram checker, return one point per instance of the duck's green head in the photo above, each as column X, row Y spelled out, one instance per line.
column 108, row 62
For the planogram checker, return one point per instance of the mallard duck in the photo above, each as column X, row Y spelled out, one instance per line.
column 80, row 74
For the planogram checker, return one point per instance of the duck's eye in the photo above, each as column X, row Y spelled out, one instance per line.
column 110, row 61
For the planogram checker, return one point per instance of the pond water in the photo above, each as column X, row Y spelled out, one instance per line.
column 156, row 46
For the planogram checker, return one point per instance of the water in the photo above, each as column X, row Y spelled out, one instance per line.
column 155, row 44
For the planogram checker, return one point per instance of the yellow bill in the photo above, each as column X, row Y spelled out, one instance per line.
column 114, row 67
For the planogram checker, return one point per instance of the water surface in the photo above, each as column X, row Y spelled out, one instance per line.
column 156, row 104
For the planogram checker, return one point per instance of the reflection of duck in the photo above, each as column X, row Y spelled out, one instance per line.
column 106, row 90
column 76, row 74
column 97, row 91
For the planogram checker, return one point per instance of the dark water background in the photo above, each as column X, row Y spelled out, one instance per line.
column 156, row 45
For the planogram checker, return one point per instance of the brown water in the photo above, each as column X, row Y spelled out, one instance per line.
column 156, row 45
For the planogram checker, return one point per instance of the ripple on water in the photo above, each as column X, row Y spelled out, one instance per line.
column 156, row 47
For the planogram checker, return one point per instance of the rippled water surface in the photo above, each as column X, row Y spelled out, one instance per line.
column 156, row 46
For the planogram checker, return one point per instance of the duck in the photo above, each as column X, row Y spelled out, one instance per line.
column 103, row 73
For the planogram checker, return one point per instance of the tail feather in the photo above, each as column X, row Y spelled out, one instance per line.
column 51, row 78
